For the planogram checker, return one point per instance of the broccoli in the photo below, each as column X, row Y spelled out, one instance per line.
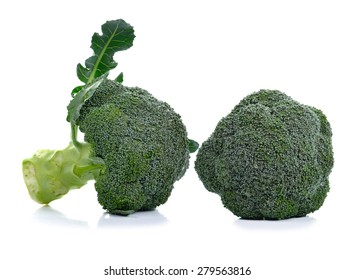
column 142, row 141
column 135, row 146
column 270, row 158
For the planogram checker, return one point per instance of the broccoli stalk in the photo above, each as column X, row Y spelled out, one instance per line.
column 50, row 174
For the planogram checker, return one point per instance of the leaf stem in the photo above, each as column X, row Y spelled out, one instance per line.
column 74, row 140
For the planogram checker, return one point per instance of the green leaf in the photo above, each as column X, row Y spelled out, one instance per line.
column 117, row 35
column 119, row 78
column 192, row 146
column 76, row 90
column 81, row 97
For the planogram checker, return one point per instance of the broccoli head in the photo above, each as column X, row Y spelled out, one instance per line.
column 135, row 148
column 270, row 158
column 142, row 142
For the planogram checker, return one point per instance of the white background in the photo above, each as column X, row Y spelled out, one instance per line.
column 202, row 57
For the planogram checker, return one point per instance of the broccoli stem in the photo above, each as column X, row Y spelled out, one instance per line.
column 50, row 174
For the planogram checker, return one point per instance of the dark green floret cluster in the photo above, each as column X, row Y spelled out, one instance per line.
column 142, row 142
column 270, row 158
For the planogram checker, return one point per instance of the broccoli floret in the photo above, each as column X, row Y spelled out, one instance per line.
column 143, row 143
column 270, row 158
